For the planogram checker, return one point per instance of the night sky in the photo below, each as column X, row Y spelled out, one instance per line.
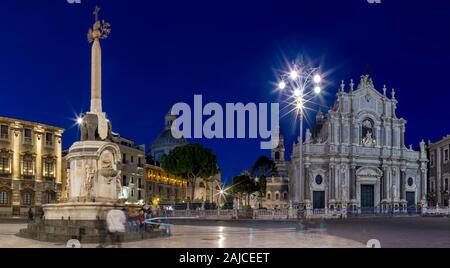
column 163, row 52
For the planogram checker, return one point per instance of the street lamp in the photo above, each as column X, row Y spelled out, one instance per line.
column 300, row 84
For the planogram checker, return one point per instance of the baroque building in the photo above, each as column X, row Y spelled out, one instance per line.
column 439, row 172
column 277, row 186
column 30, row 165
column 204, row 190
column 132, row 168
column 355, row 158
column 162, row 187
column 165, row 142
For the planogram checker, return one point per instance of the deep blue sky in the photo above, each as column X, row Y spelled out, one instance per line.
column 163, row 52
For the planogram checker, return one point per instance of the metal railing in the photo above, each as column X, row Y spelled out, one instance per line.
column 286, row 213
column 444, row 211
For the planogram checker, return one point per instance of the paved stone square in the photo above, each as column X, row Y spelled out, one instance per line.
column 391, row 232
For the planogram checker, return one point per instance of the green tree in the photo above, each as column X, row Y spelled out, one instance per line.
column 191, row 161
column 244, row 185
column 263, row 168
column 149, row 159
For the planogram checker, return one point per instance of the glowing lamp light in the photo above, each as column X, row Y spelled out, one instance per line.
column 282, row 85
column 297, row 92
column 317, row 78
column 299, row 104
column 317, row 90
column 293, row 74
column 79, row 120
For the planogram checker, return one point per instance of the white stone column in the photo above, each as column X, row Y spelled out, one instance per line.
column 332, row 175
column 337, row 172
column 39, row 148
column 352, row 185
column 438, row 174
column 15, row 138
column 58, row 151
column 96, row 77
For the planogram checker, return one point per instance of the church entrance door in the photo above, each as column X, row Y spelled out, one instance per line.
column 411, row 201
column 319, row 199
column 367, row 199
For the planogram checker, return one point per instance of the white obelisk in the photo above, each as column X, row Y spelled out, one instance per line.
column 98, row 31
column 96, row 76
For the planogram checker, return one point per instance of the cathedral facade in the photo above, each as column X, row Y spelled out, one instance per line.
column 355, row 158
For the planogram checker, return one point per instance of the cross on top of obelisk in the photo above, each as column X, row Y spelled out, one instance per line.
column 96, row 11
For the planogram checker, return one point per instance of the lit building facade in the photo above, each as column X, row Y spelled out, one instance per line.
column 132, row 168
column 162, row 187
column 30, row 165
column 439, row 172
column 355, row 159
column 277, row 186
column 205, row 190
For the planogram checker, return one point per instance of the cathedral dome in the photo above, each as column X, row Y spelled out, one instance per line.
column 166, row 138
column 165, row 141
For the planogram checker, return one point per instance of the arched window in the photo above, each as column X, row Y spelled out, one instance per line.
column 410, row 182
column 4, row 197
column 285, row 196
column 269, row 196
column 277, row 196
column 368, row 133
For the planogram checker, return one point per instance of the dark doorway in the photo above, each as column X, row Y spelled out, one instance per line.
column 367, row 199
column 319, row 199
column 411, row 201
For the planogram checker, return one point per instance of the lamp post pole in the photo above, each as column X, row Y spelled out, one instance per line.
column 300, row 83
column 300, row 146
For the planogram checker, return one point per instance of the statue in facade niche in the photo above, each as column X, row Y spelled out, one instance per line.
column 368, row 140
column 308, row 136
column 89, row 182
column 394, row 192
column 367, row 130
column 344, row 193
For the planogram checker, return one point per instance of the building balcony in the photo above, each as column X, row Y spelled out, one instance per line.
column 49, row 144
column 5, row 173
column 28, row 141
column 49, row 178
column 28, row 176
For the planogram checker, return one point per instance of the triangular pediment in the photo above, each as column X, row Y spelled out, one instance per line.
column 367, row 88
column 367, row 98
